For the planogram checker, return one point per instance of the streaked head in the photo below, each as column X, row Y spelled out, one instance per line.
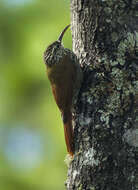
column 55, row 51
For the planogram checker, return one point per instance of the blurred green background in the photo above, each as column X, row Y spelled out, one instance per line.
column 32, row 147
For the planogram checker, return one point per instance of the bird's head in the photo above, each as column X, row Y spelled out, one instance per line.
column 55, row 51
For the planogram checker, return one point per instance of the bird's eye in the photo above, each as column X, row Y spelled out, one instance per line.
column 57, row 45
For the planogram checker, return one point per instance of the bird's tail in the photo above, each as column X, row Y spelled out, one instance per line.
column 68, row 131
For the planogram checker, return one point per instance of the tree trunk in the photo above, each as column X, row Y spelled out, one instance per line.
column 105, row 40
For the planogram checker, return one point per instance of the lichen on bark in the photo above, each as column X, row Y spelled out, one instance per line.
column 105, row 40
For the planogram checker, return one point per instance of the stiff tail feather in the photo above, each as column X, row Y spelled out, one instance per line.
column 68, row 132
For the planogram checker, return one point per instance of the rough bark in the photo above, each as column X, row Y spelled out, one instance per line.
column 105, row 40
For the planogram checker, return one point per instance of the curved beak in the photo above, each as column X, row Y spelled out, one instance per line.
column 62, row 33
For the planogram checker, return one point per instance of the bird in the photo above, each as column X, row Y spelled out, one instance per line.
column 65, row 75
